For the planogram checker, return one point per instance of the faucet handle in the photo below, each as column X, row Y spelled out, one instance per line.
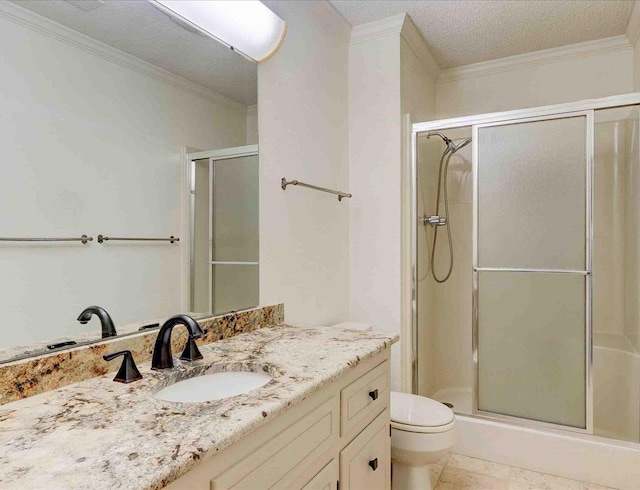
column 191, row 351
column 128, row 372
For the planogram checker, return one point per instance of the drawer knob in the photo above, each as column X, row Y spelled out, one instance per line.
column 374, row 394
column 374, row 464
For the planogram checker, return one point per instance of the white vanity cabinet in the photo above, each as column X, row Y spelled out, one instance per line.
column 339, row 438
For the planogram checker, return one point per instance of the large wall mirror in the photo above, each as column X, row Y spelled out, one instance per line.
column 126, row 126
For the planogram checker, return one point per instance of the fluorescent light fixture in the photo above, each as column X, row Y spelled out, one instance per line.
column 246, row 26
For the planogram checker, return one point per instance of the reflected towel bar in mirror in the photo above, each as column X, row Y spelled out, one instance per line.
column 102, row 239
column 230, row 262
column 83, row 239
column 285, row 183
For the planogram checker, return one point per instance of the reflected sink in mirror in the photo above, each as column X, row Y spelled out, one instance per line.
column 216, row 386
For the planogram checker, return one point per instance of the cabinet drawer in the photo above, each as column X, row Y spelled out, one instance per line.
column 365, row 398
column 277, row 461
column 326, row 479
column 366, row 462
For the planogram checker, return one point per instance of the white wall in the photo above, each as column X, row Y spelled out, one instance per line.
column 302, row 113
column 374, row 174
column 566, row 80
column 90, row 146
column 387, row 78
column 252, row 125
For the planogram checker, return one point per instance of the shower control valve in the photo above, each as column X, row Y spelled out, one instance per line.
column 434, row 221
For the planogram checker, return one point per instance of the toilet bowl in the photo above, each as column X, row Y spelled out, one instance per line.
column 422, row 432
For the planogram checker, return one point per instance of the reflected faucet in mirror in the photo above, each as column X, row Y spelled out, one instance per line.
column 162, row 357
column 137, row 239
column 108, row 329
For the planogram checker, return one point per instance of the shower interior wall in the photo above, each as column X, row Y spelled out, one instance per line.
column 616, row 276
column 444, row 310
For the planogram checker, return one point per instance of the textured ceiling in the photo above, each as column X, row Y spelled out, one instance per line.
column 460, row 32
column 141, row 30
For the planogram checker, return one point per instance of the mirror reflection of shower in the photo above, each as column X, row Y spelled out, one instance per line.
column 435, row 220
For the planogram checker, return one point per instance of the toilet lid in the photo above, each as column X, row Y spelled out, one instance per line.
column 419, row 411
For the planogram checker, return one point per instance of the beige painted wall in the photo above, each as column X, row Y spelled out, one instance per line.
column 302, row 113
column 93, row 147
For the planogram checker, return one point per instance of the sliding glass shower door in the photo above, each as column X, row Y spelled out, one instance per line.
column 224, row 230
column 234, row 234
column 532, row 269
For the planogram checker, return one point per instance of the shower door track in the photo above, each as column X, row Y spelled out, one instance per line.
column 584, row 108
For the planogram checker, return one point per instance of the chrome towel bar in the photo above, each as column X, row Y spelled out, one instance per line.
column 285, row 183
column 102, row 239
column 83, row 239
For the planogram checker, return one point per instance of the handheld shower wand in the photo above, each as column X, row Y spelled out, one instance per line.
column 436, row 220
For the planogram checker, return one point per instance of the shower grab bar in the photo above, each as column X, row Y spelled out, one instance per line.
column 542, row 271
column 84, row 239
column 102, row 239
column 340, row 194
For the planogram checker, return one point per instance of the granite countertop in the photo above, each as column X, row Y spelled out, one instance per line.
column 111, row 435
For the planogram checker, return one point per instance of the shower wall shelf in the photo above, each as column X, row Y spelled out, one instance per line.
column 103, row 238
column 340, row 194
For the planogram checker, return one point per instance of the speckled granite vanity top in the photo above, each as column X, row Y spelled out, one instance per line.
column 101, row 434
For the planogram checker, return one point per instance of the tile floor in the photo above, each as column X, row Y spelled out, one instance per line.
column 457, row 472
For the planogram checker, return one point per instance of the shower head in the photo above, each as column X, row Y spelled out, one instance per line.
column 460, row 145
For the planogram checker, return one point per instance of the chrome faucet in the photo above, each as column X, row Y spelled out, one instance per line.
column 108, row 330
column 162, row 358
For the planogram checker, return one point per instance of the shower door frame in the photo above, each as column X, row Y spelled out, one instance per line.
column 579, row 108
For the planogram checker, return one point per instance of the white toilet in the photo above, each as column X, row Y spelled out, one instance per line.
column 422, row 432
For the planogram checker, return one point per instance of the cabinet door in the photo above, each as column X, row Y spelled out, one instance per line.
column 326, row 479
column 366, row 462
column 285, row 456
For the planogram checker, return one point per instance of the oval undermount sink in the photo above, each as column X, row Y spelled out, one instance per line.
column 214, row 386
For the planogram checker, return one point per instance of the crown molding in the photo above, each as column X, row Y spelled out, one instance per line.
column 402, row 25
column 633, row 27
column 542, row 57
column 47, row 27
column 377, row 29
column 414, row 39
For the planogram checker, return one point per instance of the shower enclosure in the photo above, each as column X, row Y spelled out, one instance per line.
column 539, row 322
column 224, row 268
